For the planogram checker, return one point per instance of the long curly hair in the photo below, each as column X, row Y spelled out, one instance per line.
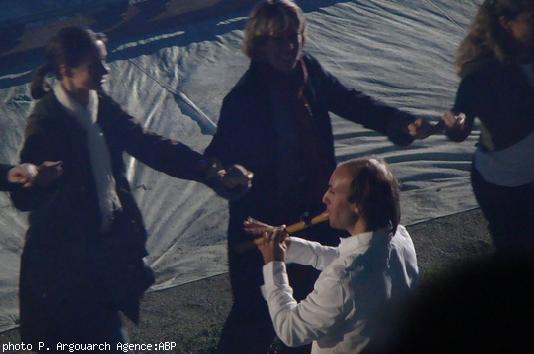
column 487, row 39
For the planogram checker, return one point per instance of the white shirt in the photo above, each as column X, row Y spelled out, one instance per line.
column 510, row 167
column 513, row 166
column 358, row 278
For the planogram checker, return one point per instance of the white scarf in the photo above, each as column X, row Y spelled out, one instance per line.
column 99, row 156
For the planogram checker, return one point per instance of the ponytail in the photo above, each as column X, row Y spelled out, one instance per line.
column 68, row 47
column 39, row 87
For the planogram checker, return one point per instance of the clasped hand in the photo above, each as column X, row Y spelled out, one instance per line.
column 29, row 175
column 421, row 129
column 232, row 179
column 454, row 122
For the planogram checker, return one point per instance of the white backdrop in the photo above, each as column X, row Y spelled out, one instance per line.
column 400, row 51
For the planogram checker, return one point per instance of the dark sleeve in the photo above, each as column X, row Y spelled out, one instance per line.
column 465, row 102
column 362, row 109
column 4, row 184
column 162, row 154
column 39, row 146
column 231, row 143
column 224, row 145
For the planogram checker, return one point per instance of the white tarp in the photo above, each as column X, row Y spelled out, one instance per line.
column 400, row 51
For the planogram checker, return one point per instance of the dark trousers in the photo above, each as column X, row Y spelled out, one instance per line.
column 59, row 306
column 103, row 326
column 509, row 212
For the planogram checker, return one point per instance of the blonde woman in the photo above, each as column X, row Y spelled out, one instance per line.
column 495, row 63
column 276, row 122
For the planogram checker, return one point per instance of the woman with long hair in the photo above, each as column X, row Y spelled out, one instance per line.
column 496, row 65
column 82, row 262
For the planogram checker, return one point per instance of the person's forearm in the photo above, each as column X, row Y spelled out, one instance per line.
column 312, row 318
column 282, row 305
column 311, row 253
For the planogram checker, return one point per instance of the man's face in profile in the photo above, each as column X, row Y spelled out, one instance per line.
column 342, row 213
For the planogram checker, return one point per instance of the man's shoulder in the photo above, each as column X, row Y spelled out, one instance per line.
column 402, row 236
column 344, row 268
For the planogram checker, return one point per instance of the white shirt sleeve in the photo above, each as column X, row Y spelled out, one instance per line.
column 301, row 323
column 306, row 252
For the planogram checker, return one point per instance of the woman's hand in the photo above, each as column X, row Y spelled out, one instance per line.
column 454, row 122
column 22, row 174
column 457, row 127
column 29, row 175
column 421, row 129
column 274, row 245
column 48, row 172
column 236, row 176
column 229, row 183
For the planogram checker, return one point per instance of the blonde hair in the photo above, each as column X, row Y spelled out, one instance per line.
column 270, row 18
column 487, row 39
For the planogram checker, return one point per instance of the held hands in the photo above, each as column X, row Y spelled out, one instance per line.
column 454, row 122
column 236, row 176
column 229, row 183
column 273, row 241
column 29, row 175
column 422, row 129
column 457, row 127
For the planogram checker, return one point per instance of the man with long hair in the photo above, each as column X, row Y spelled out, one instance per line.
column 362, row 282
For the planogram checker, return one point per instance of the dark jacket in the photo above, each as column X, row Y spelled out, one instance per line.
column 4, row 184
column 247, row 135
column 501, row 97
column 65, row 256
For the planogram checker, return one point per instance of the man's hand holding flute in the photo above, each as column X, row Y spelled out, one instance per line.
column 258, row 229
column 271, row 241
